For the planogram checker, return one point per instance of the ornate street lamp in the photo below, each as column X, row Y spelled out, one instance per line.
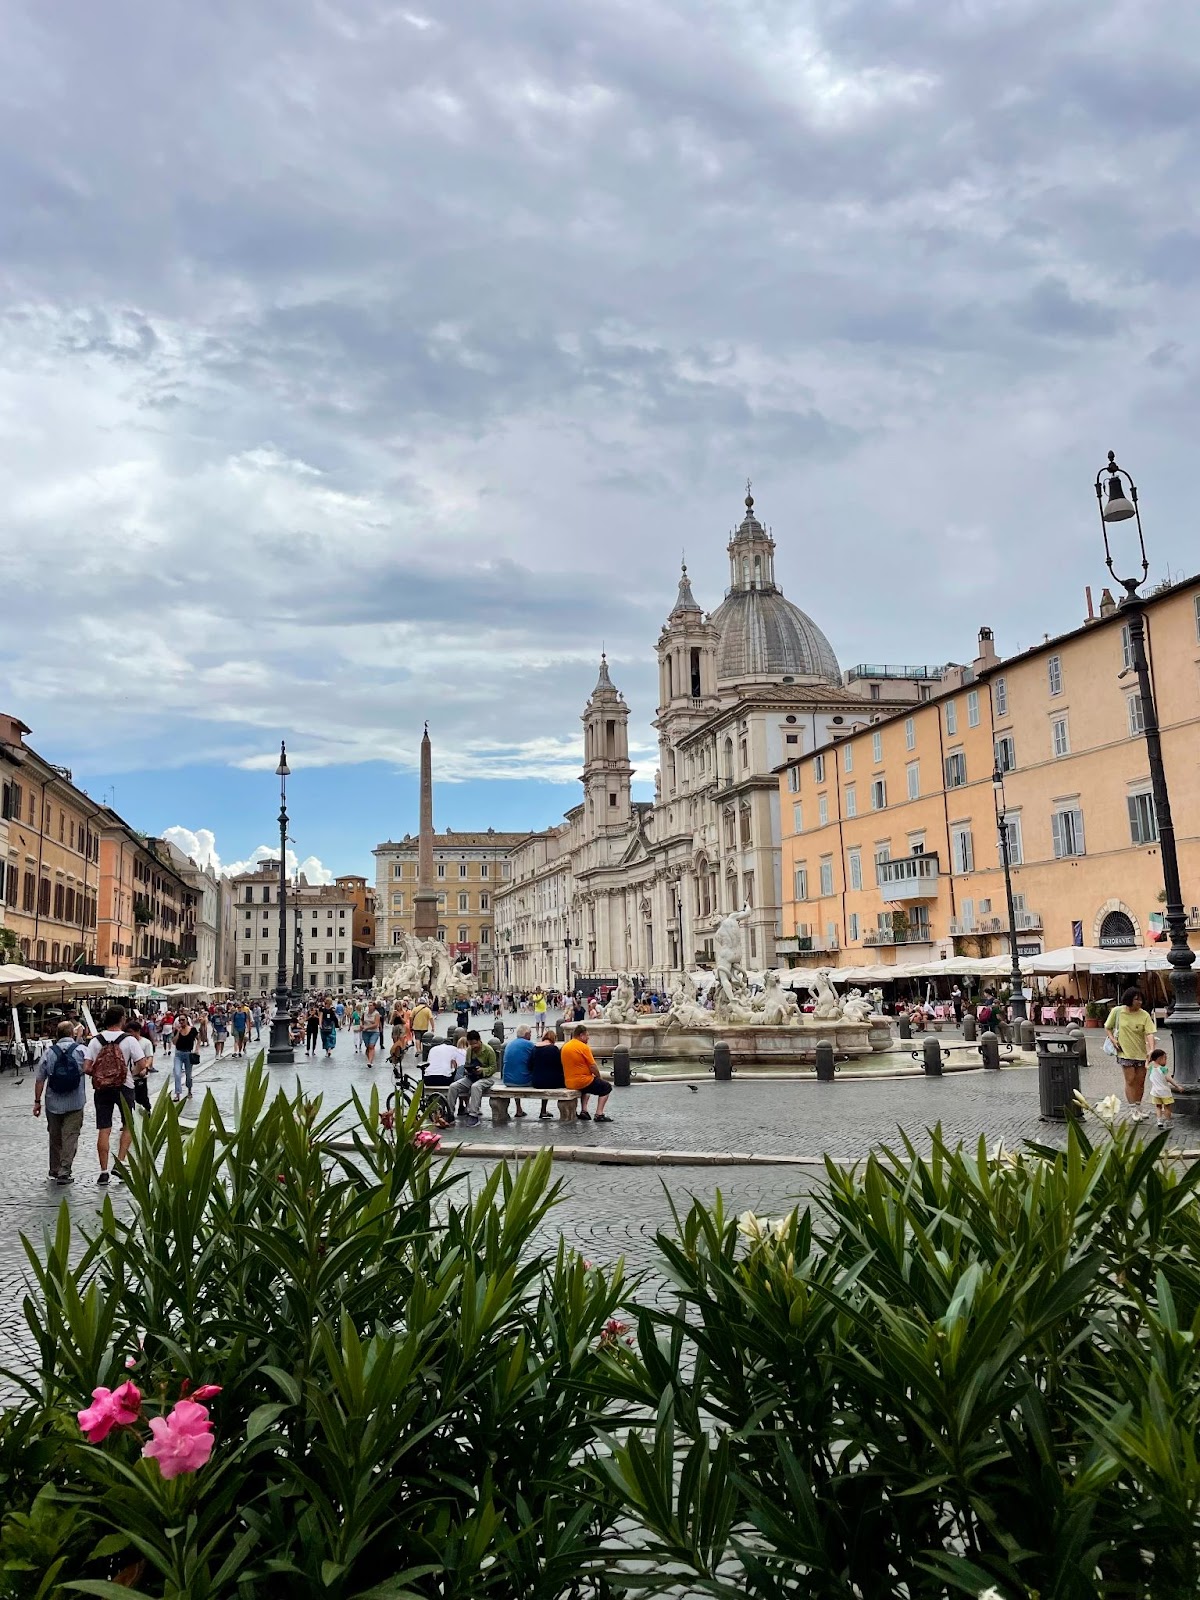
column 1117, row 499
column 567, row 944
column 280, row 1048
column 1019, row 1010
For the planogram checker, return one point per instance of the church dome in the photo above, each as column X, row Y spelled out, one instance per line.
column 763, row 635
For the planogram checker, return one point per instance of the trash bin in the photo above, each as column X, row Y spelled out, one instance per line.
column 1060, row 1053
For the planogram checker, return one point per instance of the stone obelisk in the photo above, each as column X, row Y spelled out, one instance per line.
column 425, row 902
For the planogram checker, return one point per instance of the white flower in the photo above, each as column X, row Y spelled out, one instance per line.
column 752, row 1227
column 991, row 1593
column 1108, row 1109
column 1082, row 1101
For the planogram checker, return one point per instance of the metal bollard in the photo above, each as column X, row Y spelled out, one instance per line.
column 905, row 1028
column 932, row 1051
column 621, row 1067
column 970, row 1028
column 824, row 1061
column 1026, row 1037
column 722, row 1062
column 989, row 1050
column 498, row 1029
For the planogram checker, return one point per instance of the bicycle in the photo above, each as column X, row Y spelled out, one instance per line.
column 434, row 1106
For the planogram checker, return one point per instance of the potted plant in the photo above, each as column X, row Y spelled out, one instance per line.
column 1094, row 1014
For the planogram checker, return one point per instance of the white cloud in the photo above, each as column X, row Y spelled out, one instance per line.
column 201, row 845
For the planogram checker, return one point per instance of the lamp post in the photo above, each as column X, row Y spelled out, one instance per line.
column 1183, row 1025
column 298, row 950
column 280, row 1048
column 567, row 945
column 1018, row 993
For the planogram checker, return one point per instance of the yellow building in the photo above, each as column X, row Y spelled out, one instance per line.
column 890, row 842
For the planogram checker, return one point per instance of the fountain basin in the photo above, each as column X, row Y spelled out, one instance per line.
column 650, row 1039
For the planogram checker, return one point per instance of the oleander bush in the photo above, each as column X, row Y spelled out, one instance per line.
column 300, row 1365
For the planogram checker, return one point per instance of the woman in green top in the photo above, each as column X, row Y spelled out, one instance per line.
column 1130, row 1027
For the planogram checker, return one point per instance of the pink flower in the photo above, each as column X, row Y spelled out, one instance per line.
column 206, row 1391
column 183, row 1441
column 130, row 1363
column 426, row 1140
column 111, row 1408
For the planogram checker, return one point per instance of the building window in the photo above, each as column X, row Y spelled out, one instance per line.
column 826, row 875
column 848, row 758
column 963, row 848
column 879, row 794
column 801, row 883
column 1066, row 828
column 485, row 936
column 854, row 863
column 819, row 768
column 1006, row 753
column 973, row 709
column 485, row 902
column 1060, row 736
column 822, row 810
column 1054, row 674
column 464, row 902
column 956, row 770
column 441, row 870
column 1126, row 646
column 883, row 854
column 853, row 928
column 1012, row 829
column 910, row 733
column 851, row 801
column 265, row 959
column 266, row 896
column 951, row 716
column 744, row 824
column 794, row 779
column 788, row 738
column 398, row 936
column 731, row 829
column 912, row 773
column 462, row 869
column 246, row 959
column 876, row 748
column 1143, row 819
column 745, row 754
column 483, row 869
column 463, row 935
column 612, row 800
column 441, row 905
column 748, row 889
column 1137, row 714
column 397, row 869
column 874, row 691
column 797, row 818
column 1197, row 608
column 1000, row 697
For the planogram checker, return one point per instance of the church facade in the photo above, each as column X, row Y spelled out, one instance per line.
column 635, row 886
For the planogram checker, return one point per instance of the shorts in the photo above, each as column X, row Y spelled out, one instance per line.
column 1162, row 1099
column 598, row 1086
column 106, row 1101
column 370, row 1037
column 1128, row 1061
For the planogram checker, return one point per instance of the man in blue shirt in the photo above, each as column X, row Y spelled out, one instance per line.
column 64, row 1106
column 516, row 1062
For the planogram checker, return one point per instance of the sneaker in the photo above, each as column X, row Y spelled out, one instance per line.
column 545, row 1116
column 64, row 1178
column 600, row 1117
column 584, row 1116
column 473, row 1121
column 519, row 1113
column 103, row 1178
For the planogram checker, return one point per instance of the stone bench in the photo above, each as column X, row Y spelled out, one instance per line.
column 500, row 1094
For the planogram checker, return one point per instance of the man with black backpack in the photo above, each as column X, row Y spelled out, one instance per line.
column 60, row 1073
column 109, row 1060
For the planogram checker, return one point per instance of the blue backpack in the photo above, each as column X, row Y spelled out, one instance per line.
column 64, row 1076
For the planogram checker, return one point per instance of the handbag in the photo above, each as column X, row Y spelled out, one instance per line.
column 1110, row 1048
column 195, row 1058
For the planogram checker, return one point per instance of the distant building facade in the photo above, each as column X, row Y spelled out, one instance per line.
column 325, row 914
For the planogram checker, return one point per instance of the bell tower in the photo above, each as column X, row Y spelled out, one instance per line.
column 607, row 770
column 687, row 678
column 751, row 553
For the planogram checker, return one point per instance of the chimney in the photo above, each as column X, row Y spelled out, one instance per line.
column 1108, row 605
column 987, row 656
column 1091, row 616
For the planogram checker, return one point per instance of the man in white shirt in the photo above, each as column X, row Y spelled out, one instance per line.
column 446, row 1063
column 106, row 1097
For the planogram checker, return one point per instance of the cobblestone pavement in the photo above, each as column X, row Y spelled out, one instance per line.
column 607, row 1211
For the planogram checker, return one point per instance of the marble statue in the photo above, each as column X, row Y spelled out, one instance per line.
column 875, row 996
column 419, row 966
column 622, row 1007
column 856, row 1007
column 826, row 1005
column 776, row 1007
column 687, row 1011
column 733, row 987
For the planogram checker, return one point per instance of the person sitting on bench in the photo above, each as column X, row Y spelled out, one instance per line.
column 516, row 1062
column 545, row 1067
column 579, row 1072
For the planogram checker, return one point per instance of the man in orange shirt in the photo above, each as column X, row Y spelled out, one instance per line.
column 579, row 1073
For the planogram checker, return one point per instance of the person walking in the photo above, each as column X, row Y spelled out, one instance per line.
column 186, row 1042
column 312, row 1027
column 136, row 1029
column 241, row 1024
column 329, row 1029
column 1129, row 1028
column 108, row 1060
column 220, row 1030
column 539, row 1011
column 256, row 1015
column 372, row 1029
column 356, row 1026
column 59, row 1075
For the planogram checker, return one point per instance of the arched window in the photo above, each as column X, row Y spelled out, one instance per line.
column 1117, row 931
column 729, row 760
column 758, row 572
column 670, row 677
column 745, row 572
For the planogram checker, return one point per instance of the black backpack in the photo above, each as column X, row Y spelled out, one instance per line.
column 64, row 1076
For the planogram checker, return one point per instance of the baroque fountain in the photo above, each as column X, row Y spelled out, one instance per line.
column 761, row 1029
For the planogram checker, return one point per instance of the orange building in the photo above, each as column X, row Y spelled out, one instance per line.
column 890, row 847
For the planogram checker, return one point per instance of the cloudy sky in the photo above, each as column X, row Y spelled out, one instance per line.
column 362, row 363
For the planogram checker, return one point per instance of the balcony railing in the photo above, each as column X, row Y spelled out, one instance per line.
column 802, row 944
column 917, row 935
column 875, row 669
column 909, row 877
column 962, row 927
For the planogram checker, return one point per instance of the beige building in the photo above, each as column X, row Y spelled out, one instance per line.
column 890, row 841
column 325, row 916
column 640, row 886
column 468, row 868
column 50, row 833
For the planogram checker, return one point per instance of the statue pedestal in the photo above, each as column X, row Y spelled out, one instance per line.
column 753, row 1046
